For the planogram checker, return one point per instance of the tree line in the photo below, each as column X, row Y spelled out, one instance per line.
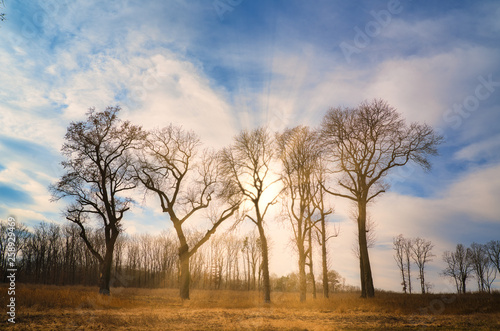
column 108, row 160
column 479, row 261
column 55, row 254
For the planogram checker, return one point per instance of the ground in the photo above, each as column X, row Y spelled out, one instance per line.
column 82, row 308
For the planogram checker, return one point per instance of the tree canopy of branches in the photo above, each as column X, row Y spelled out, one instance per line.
column 403, row 255
column 421, row 254
column 484, row 269
column 399, row 248
column 458, row 266
column 298, row 152
column 363, row 144
column 493, row 251
column 98, row 174
column 246, row 165
column 185, row 182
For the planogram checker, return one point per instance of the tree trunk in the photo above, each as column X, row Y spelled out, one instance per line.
column 367, row 289
column 422, row 281
column 184, row 277
column 324, row 259
column 408, row 266
column 311, row 267
column 105, row 272
column 302, row 273
column 265, row 264
column 361, row 276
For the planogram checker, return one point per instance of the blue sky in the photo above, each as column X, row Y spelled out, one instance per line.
column 220, row 66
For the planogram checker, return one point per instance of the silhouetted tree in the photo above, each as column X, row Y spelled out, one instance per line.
column 407, row 245
column 185, row 183
column 98, row 164
column 363, row 145
column 421, row 254
column 484, row 270
column 493, row 251
column 399, row 248
column 246, row 166
column 458, row 266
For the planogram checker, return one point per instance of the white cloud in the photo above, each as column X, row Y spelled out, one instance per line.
column 485, row 149
column 138, row 60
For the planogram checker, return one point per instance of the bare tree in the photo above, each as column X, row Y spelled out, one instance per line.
column 185, row 183
column 252, row 253
column 493, row 251
column 246, row 166
column 407, row 245
column 403, row 254
column 98, row 165
column 309, row 263
column 458, row 266
column 323, row 211
column 363, row 145
column 399, row 248
column 298, row 153
column 421, row 254
column 484, row 270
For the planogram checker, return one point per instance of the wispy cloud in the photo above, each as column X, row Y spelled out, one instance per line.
column 275, row 63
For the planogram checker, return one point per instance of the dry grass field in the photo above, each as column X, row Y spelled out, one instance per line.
column 80, row 308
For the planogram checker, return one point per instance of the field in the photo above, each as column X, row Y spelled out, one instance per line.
column 80, row 308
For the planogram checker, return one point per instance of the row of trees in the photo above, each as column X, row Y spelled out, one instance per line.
column 416, row 250
column 480, row 261
column 54, row 254
column 108, row 161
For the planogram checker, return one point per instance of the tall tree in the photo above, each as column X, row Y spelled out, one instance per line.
column 322, row 211
column 493, row 251
column 298, row 153
column 398, row 244
column 363, row 144
column 185, row 181
column 484, row 270
column 407, row 245
column 252, row 253
column 247, row 169
column 421, row 254
column 458, row 266
column 98, row 175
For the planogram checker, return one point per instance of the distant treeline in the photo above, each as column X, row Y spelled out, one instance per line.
column 55, row 254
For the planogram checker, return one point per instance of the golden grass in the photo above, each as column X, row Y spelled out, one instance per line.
column 82, row 308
